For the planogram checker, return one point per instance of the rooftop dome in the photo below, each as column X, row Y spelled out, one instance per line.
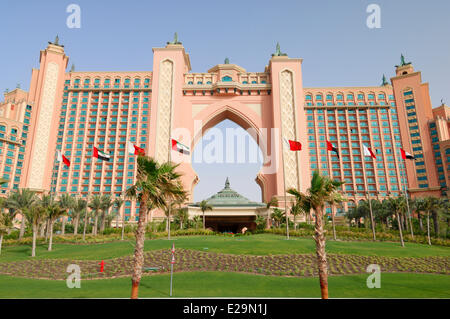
column 230, row 198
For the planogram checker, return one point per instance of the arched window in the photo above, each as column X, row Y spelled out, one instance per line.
column 227, row 79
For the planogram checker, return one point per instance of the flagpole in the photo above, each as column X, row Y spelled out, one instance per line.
column 406, row 195
column 368, row 193
column 284, row 186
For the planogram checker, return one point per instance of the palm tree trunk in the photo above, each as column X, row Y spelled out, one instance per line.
column 22, row 227
column 204, row 224
column 75, row 227
column 428, row 228
column 47, row 229
column 334, row 227
column 63, row 225
column 400, row 230
column 123, row 224
column 102, row 225
column 139, row 250
column 85, row 225
column 94, row 230
column 33, row 247
column 42, row 230
column 435, row 224
column 50, row 242
column 419, row 217
column 1, row 240
column 168, row 223
column 117, row 219
column 321, row 254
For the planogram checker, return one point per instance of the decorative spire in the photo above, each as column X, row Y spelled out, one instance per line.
column 227, row 61
column 227, row 183
column 384, row 81
column 278, row 51
column 72, row 69
column 175, row 39
column 18, row 86
column 56, row 42
column 6, row 90
column 402, row 61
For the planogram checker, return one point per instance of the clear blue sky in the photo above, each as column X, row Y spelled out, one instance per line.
column 331, row 36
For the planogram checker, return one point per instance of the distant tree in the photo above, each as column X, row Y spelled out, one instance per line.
column 35, row 214
column 397, row 205
column 66, row 202
column 18, row 202
column 96, row 205
column 204, row 206
column 118, row 203
column 277, row 216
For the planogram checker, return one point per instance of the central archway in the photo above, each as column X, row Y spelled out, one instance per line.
column 249, row 120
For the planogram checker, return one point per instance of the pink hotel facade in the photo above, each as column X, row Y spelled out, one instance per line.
column 73, row 111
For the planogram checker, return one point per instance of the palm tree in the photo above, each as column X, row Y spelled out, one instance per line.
column 172, row 202
column 295, row 211
column 204, row 206
column 397, row 206
column 430, row 204
column 6, row 221
column 118, row 203
column 66, row 202
column 417, row 206
column 154, row 183
column 323, row 190
column 35, row 214
column 277, row 216
column 182, row 215
column 19, row 201
column 273, row 202
column 107, row 202
column 95, row 205
column 54, row 211
column 196, row 220
column 79, row 207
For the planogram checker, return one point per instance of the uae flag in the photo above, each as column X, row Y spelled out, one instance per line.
column 330, row 147
column 100, row 155
column 177, row 146
column 135, row 150
column 61, row 158
column 368, row 152
column 406, row 155
column 292, row 145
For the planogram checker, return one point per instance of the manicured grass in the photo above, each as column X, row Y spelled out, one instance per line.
column 262, row 244
column 220, row 284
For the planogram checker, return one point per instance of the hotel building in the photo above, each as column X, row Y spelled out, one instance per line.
column 72, row 111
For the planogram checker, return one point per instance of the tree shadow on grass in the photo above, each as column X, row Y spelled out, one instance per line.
column 150, row 286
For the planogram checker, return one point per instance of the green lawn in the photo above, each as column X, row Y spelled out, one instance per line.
column 262, row 244
column 219, row 284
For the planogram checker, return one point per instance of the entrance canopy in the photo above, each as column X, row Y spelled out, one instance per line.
column 231, row 211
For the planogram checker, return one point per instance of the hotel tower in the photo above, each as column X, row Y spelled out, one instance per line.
column 73, row 111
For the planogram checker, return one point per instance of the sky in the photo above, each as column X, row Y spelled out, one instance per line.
column 331, row 36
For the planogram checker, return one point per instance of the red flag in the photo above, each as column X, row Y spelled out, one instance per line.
column 368, row 152
column 62, row 158
column 406, row 155
column 330, row 147
column 136, row 150
column 292, row 145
